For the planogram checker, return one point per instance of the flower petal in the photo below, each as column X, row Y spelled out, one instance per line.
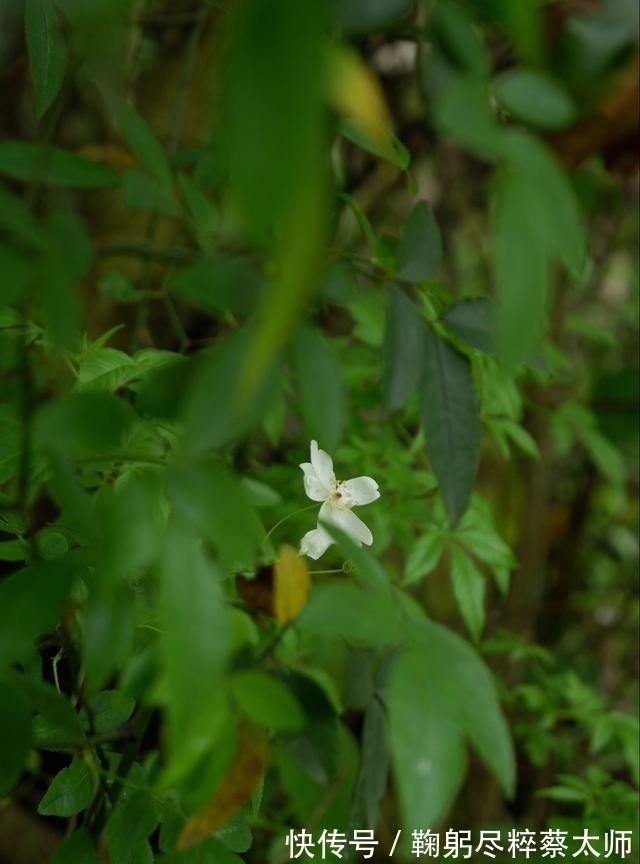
column 323, row 466
column 361, row 490
column 315, row 543
column 312, row 486
column 347, row 522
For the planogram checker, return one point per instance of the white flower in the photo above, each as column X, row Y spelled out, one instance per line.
column 337, row 498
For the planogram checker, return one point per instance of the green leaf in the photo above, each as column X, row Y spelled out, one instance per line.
column 106, row 369
column 521, row 268
column 77, row 848
column 535, row 98
column 70, row 791
column 353, row 613
column 218, row 284
column 450, row 421
column 463, row 111
column 82, row 424
column 132, row 821
column 361, row 16
column 268, row 701
column 111, row 708
column 15, row 734
column 394, row 152
column 144, row 144
column 273, row 120
column 471, row 320
column 56, row 725
column 403, row 350
column 420, row 245
column 427, row 743
column 556, row 215
column 318, row 374
column 440, row 693
column 469, row 590
column 27, row 161
column 194, row 643
column 31, row 602
column 423, row 556
column 374, row 767
column 47, row 51
column 458, row 39
column 214, row 504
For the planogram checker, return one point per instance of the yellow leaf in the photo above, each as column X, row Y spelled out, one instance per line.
column 235, row 789
column 291, row 584
column 355, row 93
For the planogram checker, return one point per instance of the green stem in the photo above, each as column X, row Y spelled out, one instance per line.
column 284, row 519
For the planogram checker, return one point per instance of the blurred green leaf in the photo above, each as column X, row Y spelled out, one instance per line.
column 267, row 701
column 463, row 111
column 82, row 424
column 319, row 377
column 458, row 39
column 450, row 421
column 70, row 791
column 27, row 161
column 471, row 320
column 215, row 505
column 403, row 350
column 535, row 98
column 110, row 708
column 47, row 51
column 344, row 610
column 77, row 848
column 132, row 820
column 15, row 734
column 420, row 245
column 424, row 555
column 31, row 602
column 141, row 192
column 218, row 284
column 143, row 143
column 361, row 16
column 194, row 645
column 521, row 267
column 374, row 767
column 469, row 590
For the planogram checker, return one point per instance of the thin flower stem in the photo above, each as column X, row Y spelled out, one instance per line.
column 322, row 572
column 284, row 519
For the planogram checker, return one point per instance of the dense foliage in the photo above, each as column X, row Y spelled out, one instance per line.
column 405, row 231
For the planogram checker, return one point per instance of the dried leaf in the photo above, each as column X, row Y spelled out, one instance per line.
column 291, row 584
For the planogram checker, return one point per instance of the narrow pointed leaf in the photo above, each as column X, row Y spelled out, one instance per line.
column 403, row 350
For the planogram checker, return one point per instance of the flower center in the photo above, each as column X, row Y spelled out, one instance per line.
column 340, row 499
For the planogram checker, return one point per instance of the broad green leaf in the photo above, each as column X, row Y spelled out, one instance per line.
column 56, row 726
column 463, row 111
column 77, row 848
column 273, row 120
column 214, row 504
column 144, row 144
column 15, row 734
column 218, row 284
column 423, row 556
column 47, row 51
column 132, row 820
column 361, row 16
column 471, row 320
column 420, row 245
column 555, row 215
column 70, row 791
column 427, row 742
column 450, row 421
column 346, row 611
column 216, row 410
column 17, row 273
column 59, row 274
column 319, row 378
column 458, row 39
column 27, row 161
column 469, row 590
column 82, row 424
column 106, row 369
column 535, row 98
column 194, row 644
column 110, row 708
column 31, row 602
column 108, row 632
column 403, row 350
column 521, row 268
column 440, row 693
column 267, row 701
column 374, row 767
